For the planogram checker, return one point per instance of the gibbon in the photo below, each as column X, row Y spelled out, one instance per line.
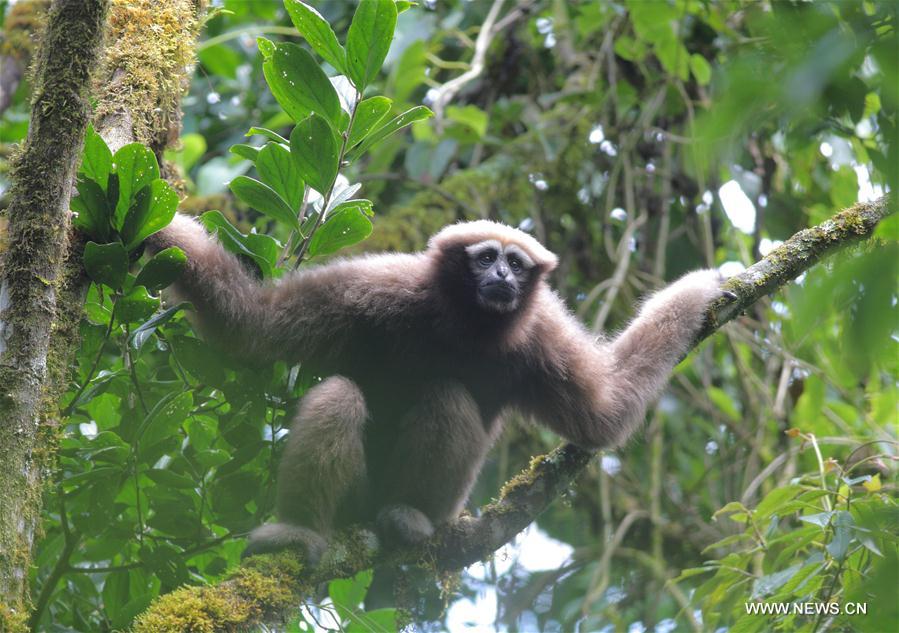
column 421, row 354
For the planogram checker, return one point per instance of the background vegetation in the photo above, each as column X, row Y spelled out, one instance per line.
column 637, row 140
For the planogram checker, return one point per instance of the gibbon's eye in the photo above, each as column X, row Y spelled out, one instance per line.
column 486, row 258
column 515, row 264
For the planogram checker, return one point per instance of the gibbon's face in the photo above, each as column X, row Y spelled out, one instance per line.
column 501, row 273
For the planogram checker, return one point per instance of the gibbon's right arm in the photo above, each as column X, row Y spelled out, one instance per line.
column 595, row 392
column 306, row 315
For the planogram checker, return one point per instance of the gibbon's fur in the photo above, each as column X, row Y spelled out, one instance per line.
column 421, row 354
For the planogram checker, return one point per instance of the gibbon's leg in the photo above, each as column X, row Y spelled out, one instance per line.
column 322, row 467
column 432, row 466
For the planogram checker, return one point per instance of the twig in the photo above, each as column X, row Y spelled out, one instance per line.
column 444, row 94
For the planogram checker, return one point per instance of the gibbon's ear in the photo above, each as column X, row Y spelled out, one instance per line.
column 467, row 233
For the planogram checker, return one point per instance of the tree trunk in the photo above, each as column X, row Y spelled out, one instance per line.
column 42, row 181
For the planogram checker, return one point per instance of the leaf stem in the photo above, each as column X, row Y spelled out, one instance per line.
column 326, row 198
column 90, row 374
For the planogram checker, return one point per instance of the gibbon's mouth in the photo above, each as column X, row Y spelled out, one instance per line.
column 498, row 292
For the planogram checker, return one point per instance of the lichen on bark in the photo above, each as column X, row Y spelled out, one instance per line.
column 145, row 71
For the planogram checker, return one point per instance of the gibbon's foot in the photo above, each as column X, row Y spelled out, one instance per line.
column 403, row 525
column 274, row 537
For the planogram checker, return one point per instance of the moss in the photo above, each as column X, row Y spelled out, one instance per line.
column 198, row 205
column 267, row 585
column 196, row 610
column 524, row 479
column 13, row 621
column 280, row 565
column 144, row 72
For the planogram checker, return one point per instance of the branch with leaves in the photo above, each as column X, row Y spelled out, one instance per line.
column 473, row 538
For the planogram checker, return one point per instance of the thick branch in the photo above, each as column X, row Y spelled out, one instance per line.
column 469, row 539
column 42, row 179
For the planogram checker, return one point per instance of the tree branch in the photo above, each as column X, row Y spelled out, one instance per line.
column 469, row 539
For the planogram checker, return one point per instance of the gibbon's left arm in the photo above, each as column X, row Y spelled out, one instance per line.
column 595, row 393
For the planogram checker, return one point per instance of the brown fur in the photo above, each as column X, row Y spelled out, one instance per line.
column 420, row 374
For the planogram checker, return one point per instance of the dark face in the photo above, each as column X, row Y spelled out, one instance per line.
column 502, row 274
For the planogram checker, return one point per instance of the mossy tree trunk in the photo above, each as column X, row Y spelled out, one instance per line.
column 42, row 181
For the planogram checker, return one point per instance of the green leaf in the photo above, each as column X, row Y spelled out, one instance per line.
column 820, row 519
column 316, row 30
column 409, row 71
column 368, row 40
column 96, row 159
column 262, row 249
column 245, row 151
column 418, row 113
column 212, row 458
column 153, row 209
column 266, row 47
column 137, row 305
column 842, row 535
column 470, row 116
column 767, row 585
column 733, row 506
column 350, row 592
column 140, row 335
column 316, row 152
column 267, row 133
column 724, row 402
column 93, row 210
column 674, row 57
column 163, row 269
column 700, row 68
column 376, row 621
column 165, row 418
column 693, row 571
column 136, row 168
column 299, row 85
column 106, row 263
column 369, row 113
column 404, row 5
column 279, row 171
column 775, row 499
column 170, row 479
column 264, row 199
column 193, row 146
column 346, row 225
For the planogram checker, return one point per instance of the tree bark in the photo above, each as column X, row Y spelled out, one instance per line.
column 42, row 181
column 267, row 587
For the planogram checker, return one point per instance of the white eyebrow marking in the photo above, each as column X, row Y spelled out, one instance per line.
column 476, row 249
column 526, row 261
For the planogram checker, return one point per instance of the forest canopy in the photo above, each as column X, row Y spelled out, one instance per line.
column 636, row 139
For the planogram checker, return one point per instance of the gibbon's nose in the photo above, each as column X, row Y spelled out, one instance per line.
column 502, row 271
